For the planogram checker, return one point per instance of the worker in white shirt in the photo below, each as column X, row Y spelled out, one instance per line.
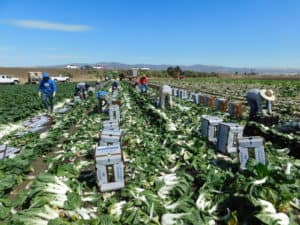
column 165, row 96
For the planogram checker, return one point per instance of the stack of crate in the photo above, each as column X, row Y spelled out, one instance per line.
column 228, row 138
column 108, row 154
column 114, row 112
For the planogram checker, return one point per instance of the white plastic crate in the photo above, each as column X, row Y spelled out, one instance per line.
column 110, row 125
column 175, row 92
column 183, row 94
column 111, row 177
column 115, row 133
column 108, row 155
column 209, row 127
column 11, row 151
column 193, row 97
column 228, row 135
column 107, row 140
column 114, row 112
column 251, row 147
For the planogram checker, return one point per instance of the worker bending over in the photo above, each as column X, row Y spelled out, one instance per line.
column 47, row 90
column 115, row 86
column 165, row 96
column 256, row 99
column 81, row 89
column 102, row 97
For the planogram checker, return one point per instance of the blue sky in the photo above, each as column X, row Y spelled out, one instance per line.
column 242, row 33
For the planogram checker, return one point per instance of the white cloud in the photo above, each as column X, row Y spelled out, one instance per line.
column 46, row 25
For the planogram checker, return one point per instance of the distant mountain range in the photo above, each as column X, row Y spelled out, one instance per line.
column 196, row 67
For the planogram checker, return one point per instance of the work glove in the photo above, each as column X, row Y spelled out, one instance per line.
column 54, row 93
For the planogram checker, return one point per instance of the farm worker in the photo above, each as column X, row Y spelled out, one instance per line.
column 256, row 98
column 102, row 98
column 144, row 84
column 165, row 94
column 80, row 90
column 115, row 85
column 47, row 91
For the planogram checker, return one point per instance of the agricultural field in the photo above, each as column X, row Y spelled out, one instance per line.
column 286, row 91
column 173, row 175
column 21, row 101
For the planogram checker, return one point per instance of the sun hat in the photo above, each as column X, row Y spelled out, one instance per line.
column 267, row 94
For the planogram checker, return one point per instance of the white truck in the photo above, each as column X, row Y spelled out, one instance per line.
column 61, row 78
column 5, row 79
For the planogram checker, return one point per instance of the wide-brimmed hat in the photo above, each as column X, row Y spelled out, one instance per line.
column 267, row 94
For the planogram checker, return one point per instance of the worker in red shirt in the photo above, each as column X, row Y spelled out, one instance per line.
column 144, row 84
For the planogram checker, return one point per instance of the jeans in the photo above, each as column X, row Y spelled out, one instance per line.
column 144, row 88
column 47, row 102
column 253, row 108
column 165, row 97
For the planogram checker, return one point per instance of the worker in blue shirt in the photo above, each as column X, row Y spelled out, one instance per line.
column 256, row 99
column 47, row 90
column 102, row 97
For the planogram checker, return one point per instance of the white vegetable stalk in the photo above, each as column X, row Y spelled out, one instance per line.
column 288, row 168
column 204, row 205
column 170, row 218
column 269, row 210
column 261, row 181
column 116, row 209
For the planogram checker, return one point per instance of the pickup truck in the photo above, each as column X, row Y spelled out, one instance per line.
column 61, row 78
column 5, row 79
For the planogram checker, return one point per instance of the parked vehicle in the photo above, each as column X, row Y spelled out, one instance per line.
column 86, row 67
column 72, row 67
column 61, row 78
column 5, row 79
column 98, row 67
column 34, row 77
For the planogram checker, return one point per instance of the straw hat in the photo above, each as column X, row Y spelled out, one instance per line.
column 267, row 94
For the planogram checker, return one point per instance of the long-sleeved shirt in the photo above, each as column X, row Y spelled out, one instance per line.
column 101, row 94
column 143, row 81
column 47, row 87
column 166, row 89
column 80, row 85
column 254, row 95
